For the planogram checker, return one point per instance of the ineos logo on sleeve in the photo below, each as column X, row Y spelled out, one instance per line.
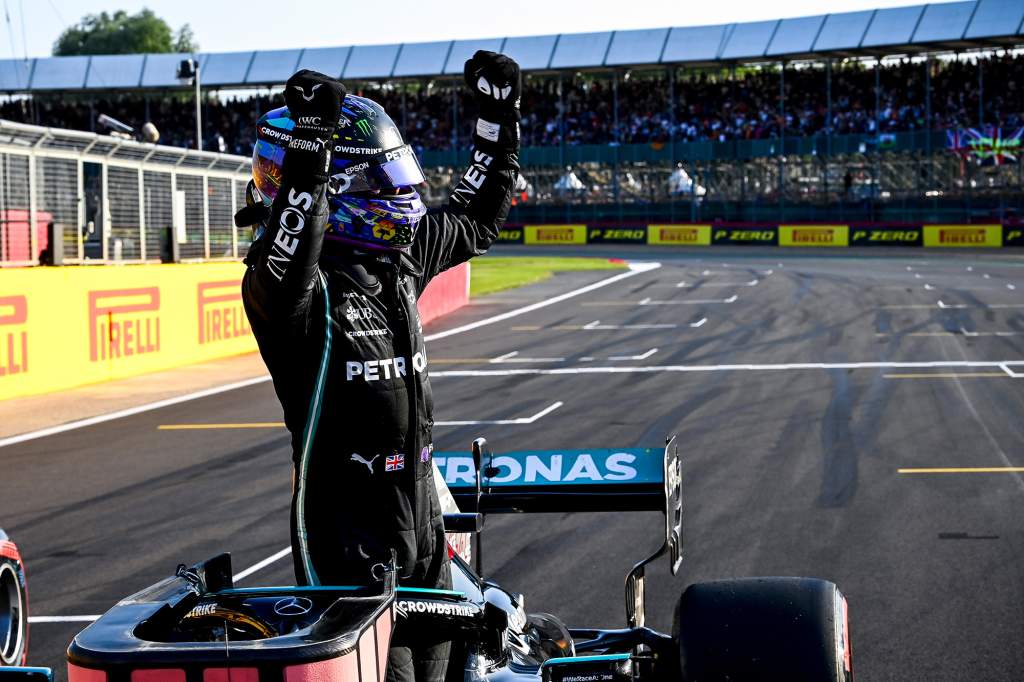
column 312, row 92
column 293, row 606
column 292, row 220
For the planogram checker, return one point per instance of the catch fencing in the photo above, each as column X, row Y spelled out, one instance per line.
column 75, row 197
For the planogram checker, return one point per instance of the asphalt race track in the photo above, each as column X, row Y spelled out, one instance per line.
column 799, row 385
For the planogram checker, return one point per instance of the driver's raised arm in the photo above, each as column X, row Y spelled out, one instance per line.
column 479, row 203
column 283, row 272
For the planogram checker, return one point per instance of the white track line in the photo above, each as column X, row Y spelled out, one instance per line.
column 62, row 619
column 751, row 283
column 624, row 358
column 1015, row 375
column 635, row 268
column 504, row 422
column 514, row 357
column 70, row 426
column 984, row 306
column 241, row 575
column 277, row 556
column 731, row 299
column 596, row 325
column 699, row 323
column 796, row 366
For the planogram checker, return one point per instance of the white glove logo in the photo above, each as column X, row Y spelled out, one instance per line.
column 312, row 92
column 498, row 93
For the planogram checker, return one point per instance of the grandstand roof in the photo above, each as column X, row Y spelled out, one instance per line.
column 898, row 30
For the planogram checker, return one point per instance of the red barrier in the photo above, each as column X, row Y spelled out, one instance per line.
column 15, row 235
column 447, row 292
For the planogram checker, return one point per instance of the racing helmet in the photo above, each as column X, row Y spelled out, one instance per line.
column 371, row 195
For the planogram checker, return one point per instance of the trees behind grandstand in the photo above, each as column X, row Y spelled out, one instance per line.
column 123, row 33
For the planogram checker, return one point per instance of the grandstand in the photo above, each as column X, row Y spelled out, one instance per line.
column 902, row 114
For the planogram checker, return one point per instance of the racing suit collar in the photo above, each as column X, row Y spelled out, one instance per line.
column 363, row 269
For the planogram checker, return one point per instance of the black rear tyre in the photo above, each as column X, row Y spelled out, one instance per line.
column 13, row 606
column 763, row 630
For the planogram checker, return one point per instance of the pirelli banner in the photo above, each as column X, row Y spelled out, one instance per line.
column 771, row 234
column 68, row 326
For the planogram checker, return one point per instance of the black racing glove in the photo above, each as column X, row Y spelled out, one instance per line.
column 496, row 82
column 314, row 101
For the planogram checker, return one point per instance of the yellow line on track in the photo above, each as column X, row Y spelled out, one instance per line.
column 526, row 329
column 203, row 427
column 964, row 470
column 950, row 375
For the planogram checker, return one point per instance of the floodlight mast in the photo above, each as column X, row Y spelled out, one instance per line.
column 188, row 69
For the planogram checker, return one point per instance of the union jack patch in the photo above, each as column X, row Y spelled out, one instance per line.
column 394, row 462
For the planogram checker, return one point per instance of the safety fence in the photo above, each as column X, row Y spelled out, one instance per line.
column 770, row 234
column 74, row 197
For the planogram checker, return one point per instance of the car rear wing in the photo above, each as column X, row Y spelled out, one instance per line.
column 534, row 481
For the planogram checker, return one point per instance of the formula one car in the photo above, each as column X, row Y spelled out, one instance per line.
column 13, row 605
column 196, row 625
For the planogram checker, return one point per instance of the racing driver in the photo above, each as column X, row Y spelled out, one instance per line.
column 343, row 247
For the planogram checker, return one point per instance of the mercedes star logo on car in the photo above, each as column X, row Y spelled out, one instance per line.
column 293, row 606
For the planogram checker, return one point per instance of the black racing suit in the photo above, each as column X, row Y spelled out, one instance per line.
column 341, row 336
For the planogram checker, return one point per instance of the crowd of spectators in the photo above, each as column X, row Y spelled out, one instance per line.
column 694, row 106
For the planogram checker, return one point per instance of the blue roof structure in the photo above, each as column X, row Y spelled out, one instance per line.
column 956, row 25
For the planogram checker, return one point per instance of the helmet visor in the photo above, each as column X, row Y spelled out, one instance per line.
column 267, row 160
column 387, row 171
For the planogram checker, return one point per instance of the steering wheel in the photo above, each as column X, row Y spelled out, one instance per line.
column 214, row 622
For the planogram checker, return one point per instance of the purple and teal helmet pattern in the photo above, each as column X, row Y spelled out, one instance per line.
column 372, row 197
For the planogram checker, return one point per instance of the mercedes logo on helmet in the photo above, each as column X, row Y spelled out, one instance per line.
column 293, row 606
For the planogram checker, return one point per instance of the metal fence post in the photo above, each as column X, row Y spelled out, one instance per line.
column 234, row 210
column 80, row 240
column 142, row 216
column 172, row 238
column 104, row 211
column 206, row 216
column 33, row 237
